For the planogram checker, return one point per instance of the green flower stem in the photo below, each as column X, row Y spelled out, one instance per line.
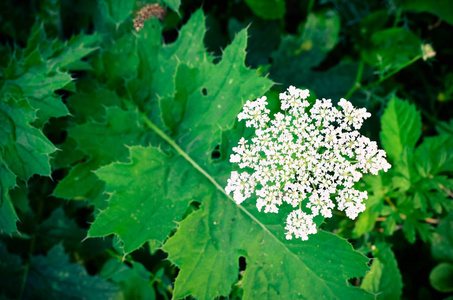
column 357, row 84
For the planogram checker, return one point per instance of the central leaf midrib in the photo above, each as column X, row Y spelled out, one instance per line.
column 178, row 149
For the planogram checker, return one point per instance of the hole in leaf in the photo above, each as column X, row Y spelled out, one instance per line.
column 216, row 153
column 195, row 205
column 242, row 263
column 204, row 91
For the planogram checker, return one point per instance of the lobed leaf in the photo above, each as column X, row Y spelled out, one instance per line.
column 152, row 191
column 119, row 129
column 209, row 243
column 147, row 196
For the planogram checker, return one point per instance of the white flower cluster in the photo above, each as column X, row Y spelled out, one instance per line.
column 306, row 157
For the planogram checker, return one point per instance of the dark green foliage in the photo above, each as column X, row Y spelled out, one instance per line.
column 115, row 144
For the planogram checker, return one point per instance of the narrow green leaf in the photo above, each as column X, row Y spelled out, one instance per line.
column 401, row 126
column 367, row 219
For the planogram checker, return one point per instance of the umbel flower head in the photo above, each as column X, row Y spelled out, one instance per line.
column 308, row 157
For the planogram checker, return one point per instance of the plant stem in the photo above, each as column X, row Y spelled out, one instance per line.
column 357, row 84
column 397, row 17
column 358, row 78
column 427, row 220
column 310, row 6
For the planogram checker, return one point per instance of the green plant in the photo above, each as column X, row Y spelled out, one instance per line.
column 116, row 138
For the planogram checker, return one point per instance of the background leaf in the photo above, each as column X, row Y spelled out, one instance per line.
column 384, row 278
column 441, row 277
column 401, row 126
column 267, row 9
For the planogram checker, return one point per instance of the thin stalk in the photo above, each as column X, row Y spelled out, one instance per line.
column 397, row 18
column 310, row 6
column 357, row 84
column 358, row 78
column 390, row 74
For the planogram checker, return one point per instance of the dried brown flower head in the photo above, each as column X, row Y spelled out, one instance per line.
column 147, row 12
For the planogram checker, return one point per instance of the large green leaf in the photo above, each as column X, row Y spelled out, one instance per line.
column 151, row 192
column 401, row 126
column 209, row 243
column 198, row 130
column 384, row 279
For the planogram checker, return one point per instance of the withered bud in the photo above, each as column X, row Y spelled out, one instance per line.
column 147, row 12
